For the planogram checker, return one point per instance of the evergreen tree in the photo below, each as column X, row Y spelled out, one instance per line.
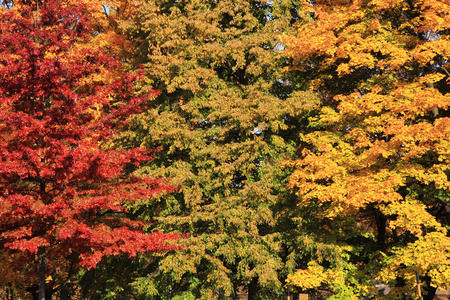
column 226, row 116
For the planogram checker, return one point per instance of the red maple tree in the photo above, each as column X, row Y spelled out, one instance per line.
column 62, row 181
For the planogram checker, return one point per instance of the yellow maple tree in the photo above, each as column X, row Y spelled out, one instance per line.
column 376, row 163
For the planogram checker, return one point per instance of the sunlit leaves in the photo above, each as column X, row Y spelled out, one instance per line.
column 63, row 185
column 379, row 149
column 226, row 116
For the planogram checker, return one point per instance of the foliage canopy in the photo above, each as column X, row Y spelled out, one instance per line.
column 377, row 164
column 63, row 182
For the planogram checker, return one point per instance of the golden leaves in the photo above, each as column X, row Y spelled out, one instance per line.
column 411, row 217
column 351, row 37
column 429, row 254
column 387, row 4
column 337, row 278
column 381, row 144
column 309, row 278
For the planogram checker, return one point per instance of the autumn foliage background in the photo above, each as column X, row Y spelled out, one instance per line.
column 205, row 149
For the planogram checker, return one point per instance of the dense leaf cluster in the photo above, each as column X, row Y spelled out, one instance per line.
column 62, row 185
column 307, row 141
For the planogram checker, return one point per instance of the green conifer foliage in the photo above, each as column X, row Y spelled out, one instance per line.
column 225, row 118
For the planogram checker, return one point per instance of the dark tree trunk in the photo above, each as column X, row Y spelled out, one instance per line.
column 41, row 269
column 34, row 291
column 429, row 291
column 253, row 289
column 221, row 294
column 64, row 294
column 380, row 219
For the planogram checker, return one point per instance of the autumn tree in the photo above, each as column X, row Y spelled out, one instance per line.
column 63, row 181
column 376, row 167
column 225, row 118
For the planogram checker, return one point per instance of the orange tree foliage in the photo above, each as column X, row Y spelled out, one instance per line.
column 104, row 19
column 63, row 183
column 106, row 34
column 374, row 173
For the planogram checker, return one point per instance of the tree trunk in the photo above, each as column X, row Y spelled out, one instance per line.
column 253, row 288
column 64, row 294
column 429, row 291
column 41, row 269
column 221, row 294
column 380, row 220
